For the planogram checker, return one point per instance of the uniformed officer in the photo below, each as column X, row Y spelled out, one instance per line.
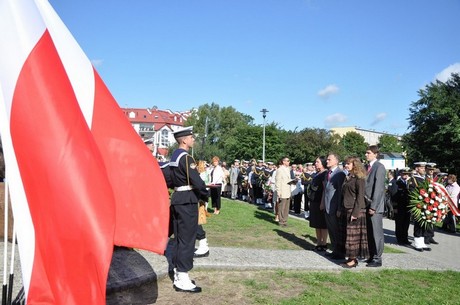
column 188, row 189
column 402, row 212
column 413, row 183
column 429, row 232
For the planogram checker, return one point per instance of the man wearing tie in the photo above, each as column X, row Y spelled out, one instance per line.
column 375, row 201
column 332, row 199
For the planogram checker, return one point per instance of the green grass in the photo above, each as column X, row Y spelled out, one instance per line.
column 243, row 225
column 346, row 287
column 286, row 287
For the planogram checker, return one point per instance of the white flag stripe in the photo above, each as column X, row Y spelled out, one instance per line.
column 25, row 232
column 77, row 65
column 13, row 57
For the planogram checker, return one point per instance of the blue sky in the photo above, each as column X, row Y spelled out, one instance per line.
column 311, row 63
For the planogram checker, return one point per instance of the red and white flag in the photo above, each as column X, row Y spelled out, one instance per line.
column 81, row 179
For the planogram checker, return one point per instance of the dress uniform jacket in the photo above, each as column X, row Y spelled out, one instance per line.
column 188, row 185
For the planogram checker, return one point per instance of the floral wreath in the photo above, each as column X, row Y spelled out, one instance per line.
column 429, row 203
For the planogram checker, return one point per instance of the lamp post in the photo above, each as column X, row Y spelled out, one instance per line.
column 264, row 115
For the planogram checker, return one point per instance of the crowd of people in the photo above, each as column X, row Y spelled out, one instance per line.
column 343, row 201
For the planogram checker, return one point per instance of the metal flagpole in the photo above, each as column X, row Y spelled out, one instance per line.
column 5, row 242
column 11, row 279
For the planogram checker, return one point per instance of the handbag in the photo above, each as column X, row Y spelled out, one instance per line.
column 201, row 213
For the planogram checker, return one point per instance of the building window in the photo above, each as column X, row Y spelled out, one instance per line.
column 164, row 138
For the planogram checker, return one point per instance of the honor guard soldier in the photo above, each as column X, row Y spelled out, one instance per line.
column 429, row 232
column 419, row 230
column 402, row 210
column 189, row 188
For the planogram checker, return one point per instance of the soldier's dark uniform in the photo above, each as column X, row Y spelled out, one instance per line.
column 188, row 189
column 402, row 213
column 419, row 230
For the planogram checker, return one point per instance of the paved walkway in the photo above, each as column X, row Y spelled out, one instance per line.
column 445, row 256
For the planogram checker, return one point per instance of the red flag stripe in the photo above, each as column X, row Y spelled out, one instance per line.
column 142, row 199
column 73, row 220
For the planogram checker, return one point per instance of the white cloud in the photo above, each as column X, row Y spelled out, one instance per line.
column 334, row 119
column 444, row 75
column 379, row 118
column 97, row 62
column 328, row 91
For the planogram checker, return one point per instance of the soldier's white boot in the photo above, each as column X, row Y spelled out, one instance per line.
column 419, row 244
column 184, row 284
column 203, row 248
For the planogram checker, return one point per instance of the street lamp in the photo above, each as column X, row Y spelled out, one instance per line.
column 264, row 115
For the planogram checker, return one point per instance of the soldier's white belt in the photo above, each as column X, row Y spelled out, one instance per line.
column 183, row 188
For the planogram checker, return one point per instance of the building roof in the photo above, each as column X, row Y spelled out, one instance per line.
column 390, row 156
column 158, row 118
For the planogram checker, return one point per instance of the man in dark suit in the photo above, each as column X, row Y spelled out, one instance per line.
column 332, row 199
column 375, row 202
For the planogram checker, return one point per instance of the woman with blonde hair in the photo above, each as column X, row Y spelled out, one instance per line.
column 216, row 179
column 353, row 213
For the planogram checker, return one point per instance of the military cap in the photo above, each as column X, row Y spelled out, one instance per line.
column 405, row 171
column 270, row 163
column 419, row 164
column 186, row 131
column 430, row 165
column 236, row 160
column 260, row 161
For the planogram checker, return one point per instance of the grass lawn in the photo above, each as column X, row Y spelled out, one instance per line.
column 243, row 225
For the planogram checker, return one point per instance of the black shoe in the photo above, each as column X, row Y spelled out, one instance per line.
column 201, row 255
column 193, row 290
column 374, row 264
column 419, row 249
column 427, row 249
column 369, row 260
column 432, row 241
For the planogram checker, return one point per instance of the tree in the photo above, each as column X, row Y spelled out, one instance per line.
column 309, row 143
column 213, row 126
column 389, row 143
column 353, row 145
column 434, row 131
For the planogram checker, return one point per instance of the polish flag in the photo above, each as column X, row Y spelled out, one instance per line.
column 81, row 179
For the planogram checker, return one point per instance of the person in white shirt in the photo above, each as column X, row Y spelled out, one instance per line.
column 216, row 179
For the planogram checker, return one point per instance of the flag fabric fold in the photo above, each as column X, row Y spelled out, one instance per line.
column 81, row 179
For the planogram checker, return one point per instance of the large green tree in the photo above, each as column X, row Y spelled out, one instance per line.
column 434, row 131
column 309, row 143
column 389, row 143
column 353, row 144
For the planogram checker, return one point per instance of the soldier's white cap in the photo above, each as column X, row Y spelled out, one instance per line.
column 270, row 163
column 245, row 161
column 419, row 164
column 148, row 141
column 236, row 160
column 405, row 171
column 309, row 163
column 260, row 161
column 186, row 131
column 430, row 165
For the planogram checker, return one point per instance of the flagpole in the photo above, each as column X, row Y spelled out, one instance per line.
column 5, row 242
column 11, row 279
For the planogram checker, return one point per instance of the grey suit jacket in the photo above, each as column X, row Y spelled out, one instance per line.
column 375, row 187
column 333, row 191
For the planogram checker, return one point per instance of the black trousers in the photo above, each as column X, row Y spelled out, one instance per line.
column 185, row 224
column 402, row 222
column 216, row 194
column 200, row 233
